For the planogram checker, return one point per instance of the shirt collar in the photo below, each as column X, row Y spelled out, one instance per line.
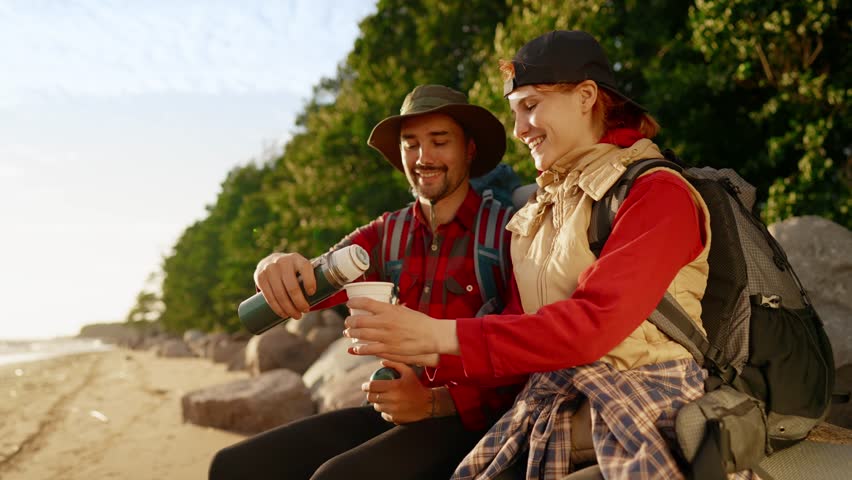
column 465, row 215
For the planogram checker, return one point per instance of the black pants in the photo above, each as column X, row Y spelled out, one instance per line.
column 350, row 444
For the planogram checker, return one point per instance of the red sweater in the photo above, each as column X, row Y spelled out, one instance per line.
column 656, row 232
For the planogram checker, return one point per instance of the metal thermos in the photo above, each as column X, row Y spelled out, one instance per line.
column 332, row 272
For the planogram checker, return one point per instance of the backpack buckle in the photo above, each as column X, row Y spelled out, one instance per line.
column 772, row 301
column 718, row 367
column 727, row 373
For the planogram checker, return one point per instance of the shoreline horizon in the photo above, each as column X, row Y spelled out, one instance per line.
column 14, row 352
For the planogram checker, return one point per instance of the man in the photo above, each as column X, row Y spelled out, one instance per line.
column 419, row 426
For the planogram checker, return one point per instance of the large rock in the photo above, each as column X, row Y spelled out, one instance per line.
column 334, row 363
column 841, row 413
column 278, row 348
column 330, row 318
column 238, row 362
column 319, row 328
column 302, row 326
column 173, row 348
column 153, row 343
column 322, row 337
column 820, row 251
column 251, row 405
column 226, row 349
column 191, row 336
column 209, row 343
column 199, row 343
column 345, row 391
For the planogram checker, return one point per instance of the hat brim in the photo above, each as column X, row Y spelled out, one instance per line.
column 487, row 131
column 622, row 96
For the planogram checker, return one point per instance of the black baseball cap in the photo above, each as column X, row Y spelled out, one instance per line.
column 564, row 56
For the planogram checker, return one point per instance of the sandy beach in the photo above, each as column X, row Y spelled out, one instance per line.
column 104, row 415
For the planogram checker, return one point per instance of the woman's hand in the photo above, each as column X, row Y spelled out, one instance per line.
column 400, row 333
column 403, row 400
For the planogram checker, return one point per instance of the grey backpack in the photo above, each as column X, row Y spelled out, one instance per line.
column 771, row 369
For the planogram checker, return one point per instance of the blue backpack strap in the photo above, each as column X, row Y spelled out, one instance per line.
column 392, row 243
column 489, row 250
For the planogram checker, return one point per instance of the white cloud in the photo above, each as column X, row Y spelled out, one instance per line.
column 101, row 48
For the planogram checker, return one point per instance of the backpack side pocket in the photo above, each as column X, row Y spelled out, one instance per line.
column 736, row 420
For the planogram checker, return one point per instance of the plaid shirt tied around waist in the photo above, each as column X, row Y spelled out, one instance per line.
column 633, row 413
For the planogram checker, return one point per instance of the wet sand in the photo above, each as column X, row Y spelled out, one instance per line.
column 106, row 415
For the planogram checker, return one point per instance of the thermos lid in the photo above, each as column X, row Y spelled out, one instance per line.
column 351, row 262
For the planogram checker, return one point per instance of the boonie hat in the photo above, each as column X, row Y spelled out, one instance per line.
column 564, row 56
column 487, row 131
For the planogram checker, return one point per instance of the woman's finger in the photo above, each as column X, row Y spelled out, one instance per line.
column 364, row 303
column 375, row 348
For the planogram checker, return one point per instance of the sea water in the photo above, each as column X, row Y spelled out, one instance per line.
column 19, row 351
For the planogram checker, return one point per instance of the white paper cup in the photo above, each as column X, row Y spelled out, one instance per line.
column 381, row 291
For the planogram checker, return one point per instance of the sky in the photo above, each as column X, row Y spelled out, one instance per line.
column 118, row 122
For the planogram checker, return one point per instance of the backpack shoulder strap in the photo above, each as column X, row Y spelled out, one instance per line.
column 604, row 210
column 489, row 247
column 669, row 317
column 392, row 243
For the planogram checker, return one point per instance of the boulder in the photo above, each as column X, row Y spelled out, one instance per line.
column 224, row 350
column 278, row 348
column 330, row 318
column 199, row 344
column 173, row 348
column 344, row 391
column 302, row 326
column 841, row 413
column 820, row 252
column 251, row 405
column 191, row 336
column 209, row 342
column 324, row 336
column 334, row 363
column 237, row 362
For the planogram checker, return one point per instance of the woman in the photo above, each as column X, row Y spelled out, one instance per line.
column 578, row 317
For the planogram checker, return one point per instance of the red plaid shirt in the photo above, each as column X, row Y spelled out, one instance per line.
column 438, row 278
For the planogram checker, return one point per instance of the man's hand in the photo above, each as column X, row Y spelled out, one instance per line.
column 276, row 278
column 403, row 400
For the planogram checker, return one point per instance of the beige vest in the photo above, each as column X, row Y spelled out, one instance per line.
column 550, row 245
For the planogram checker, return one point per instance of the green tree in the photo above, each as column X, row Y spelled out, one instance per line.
column 189, row 277
column 756, row 86
column 793, row 57
column 149, row 306
column 211, row 265
column 329, row 181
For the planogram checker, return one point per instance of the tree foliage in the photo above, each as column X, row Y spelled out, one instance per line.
column 758, row 86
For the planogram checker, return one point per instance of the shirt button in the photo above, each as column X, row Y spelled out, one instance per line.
column 434, row 248
column 469, row 288
column 426, row 289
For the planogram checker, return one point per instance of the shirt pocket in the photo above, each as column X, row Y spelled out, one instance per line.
column 461, row 298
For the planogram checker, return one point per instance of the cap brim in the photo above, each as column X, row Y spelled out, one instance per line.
column 488, row 133
column 622, row 96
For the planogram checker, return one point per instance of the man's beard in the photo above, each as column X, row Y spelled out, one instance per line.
column 437, row 192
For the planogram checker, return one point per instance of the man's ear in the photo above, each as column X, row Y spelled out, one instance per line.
column 471, row 151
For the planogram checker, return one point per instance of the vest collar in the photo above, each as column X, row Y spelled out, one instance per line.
column 593, row 170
